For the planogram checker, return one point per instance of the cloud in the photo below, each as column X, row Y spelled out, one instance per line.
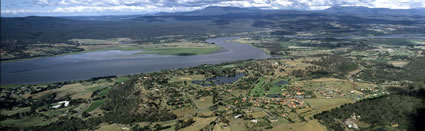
column 399, row 4
column 121, row 8
column 18, row 11
column 43, row 2
column 151, row 6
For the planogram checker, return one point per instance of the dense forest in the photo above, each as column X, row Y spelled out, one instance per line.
column 327, row 66
column 123, row 106
column 381, row 72
column 398, row 110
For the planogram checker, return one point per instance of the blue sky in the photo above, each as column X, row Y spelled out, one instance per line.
column 123, row 7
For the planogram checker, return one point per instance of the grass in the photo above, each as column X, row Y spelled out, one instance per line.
column 182, row 48
column 180, row 51
column 204, row 104
column 287, row 44
column 10, row 86
column 313, row 125
column 344, row 86
column 121, row 79
column 399, row 63
column 58, row 112
column 229, row 66
column 319, row 105
column 95, row 88
column 14, row 111
column 257, row 114
column 104, row 92
column 110, row 127
column 77, row 90
column 420, row 42
column 187, row 78
column 237, row 125
column 199, row 124
column 258, row 90
column 219, row 127
column 274, row 90
column 186, row 111
column 95, row 104
column 239, row 92
column 87, row 49
column 121, row 47
column 27, row 122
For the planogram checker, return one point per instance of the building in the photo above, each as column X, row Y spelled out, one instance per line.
column 65, row 104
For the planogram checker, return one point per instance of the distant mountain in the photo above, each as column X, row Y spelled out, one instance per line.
column 218, row 10
column 343, row 10
column 356, row 10
column 103, row 18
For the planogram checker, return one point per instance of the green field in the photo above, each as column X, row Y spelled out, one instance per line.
column 104, row 92
column 274, row 90
column 258, row 90
column 15, row 111
column 121, row 79
column 95, row 88
column 95, row 104
column 27, row 121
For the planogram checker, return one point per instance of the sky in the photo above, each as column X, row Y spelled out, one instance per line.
column 11, row 8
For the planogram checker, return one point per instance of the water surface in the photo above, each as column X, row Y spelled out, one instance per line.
column 219, row 80
column 113, row 62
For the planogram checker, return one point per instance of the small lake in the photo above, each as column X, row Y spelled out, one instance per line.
column 219, row 80
column 279, row 83
column 114, row 62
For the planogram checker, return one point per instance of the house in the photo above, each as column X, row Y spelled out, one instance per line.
column 284, row 114
column 238, row 116
column 299, row 93
column 351, row 124
column 56, row 106
column 65, row 103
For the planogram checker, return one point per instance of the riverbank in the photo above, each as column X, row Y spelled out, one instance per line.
column 181, row 47
column 88, row 65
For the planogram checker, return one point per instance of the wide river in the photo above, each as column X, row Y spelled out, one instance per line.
column 114, row 62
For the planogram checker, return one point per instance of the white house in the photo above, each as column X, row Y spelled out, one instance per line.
column 65, row 103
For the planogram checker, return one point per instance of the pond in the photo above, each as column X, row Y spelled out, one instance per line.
column 279, row 83
column 219, row 80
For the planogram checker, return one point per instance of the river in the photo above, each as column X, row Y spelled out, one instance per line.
column 114, row 62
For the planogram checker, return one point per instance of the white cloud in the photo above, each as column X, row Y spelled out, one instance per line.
column 121, row 8
column 43, row 2
column 399, row 4
column 18, row 11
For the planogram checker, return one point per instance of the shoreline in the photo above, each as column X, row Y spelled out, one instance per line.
column 65, row 73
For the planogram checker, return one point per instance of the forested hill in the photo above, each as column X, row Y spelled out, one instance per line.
column 375, row 11
column 52, row 30
column 211, row 20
